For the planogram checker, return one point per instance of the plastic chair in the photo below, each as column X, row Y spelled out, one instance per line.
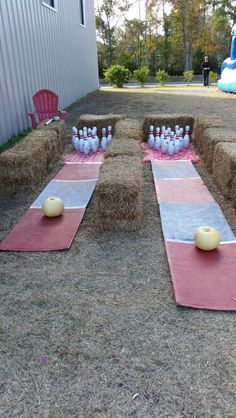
column 46, row 106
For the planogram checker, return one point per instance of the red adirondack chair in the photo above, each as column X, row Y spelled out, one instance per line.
column 46, row 106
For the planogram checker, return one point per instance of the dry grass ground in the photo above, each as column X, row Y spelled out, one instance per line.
column 94, row 332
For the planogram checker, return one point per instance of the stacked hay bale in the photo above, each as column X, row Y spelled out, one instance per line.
column 129, row 128
column 200, row 125
column 29, row 162
column 119, row 194
column 128, row 147
column 224, row 168
column 119, row 191
column 217, row 146
column 233, row 192
column 127, row 139
column 169, row 120
column 210, row 138
column 60, row 129
column 100, row 121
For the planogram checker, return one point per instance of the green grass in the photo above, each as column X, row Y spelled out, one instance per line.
column 14, row 139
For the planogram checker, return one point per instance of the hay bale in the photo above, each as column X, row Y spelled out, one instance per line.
column 28, row 163
column 224, row 166
column 100, row 121
column 129, row 128
column 23, row 165
column 51, row 145
column 121, row 225
column 119, row 194
column 201, row 123
column 128, row 147
column 233, row 192
column 210, row 138
column 60, row 128
column 167, row 120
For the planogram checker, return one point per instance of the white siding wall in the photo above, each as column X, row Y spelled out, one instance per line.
column 40, row 48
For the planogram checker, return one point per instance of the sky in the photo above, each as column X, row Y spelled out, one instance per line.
column 134, row 10
column 137, row 8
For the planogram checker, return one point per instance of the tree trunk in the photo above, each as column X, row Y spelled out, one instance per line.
column 110, row 52
column 187, row 39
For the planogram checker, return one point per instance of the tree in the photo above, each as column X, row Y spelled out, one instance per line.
column 130, row 48
column 186, row 17
column 107, row 17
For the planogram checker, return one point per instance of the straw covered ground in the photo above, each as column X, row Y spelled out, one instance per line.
column 94, row 332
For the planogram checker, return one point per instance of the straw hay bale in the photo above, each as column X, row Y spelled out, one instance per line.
column 125, row 225
column 169, row 120
column 128, row 147
column 233, row 192
column 119, row 194
column 29, row 161
column 100, row 121
column 210, row 138
column 129, row 128
column 60, row 128
column 201, row 123
column 224, row 166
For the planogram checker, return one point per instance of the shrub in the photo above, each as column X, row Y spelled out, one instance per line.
column 162, row 77
column 141, row 74
column 117, row 74
column 188, row 76
column 212, row 76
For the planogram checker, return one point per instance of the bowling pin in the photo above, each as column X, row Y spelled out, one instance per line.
column 186, row 139
column 109, row 134
column 176, row 144
column 74, row 135
column 157, row 143
column 151, row 137
column 104, row 142
column 81, row 141
column 171, row 147
column 96, row 136
column 86, row 144
column 94, row 143
column 89, row 131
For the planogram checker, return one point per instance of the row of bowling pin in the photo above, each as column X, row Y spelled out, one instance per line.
column 168, row 141
column 86, row 139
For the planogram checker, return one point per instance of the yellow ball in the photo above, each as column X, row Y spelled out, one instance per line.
column 52, row 207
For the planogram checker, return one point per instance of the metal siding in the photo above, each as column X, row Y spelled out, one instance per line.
column 40, row 48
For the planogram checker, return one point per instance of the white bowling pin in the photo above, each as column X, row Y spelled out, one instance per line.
column 94, row 143
column 176, row 128
column 74, row 135
column 81, row 141
column 86, row 144
column 163, row 132
column 90, row 136
column 157, row 143
column 96, row 136
column 151, row 137
column 177, row 145
column 104, row 142
column 76, row 144
column 180, row 138
column 171, row 147
column 186, row 139
column 164, row 146
column 109, row 134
